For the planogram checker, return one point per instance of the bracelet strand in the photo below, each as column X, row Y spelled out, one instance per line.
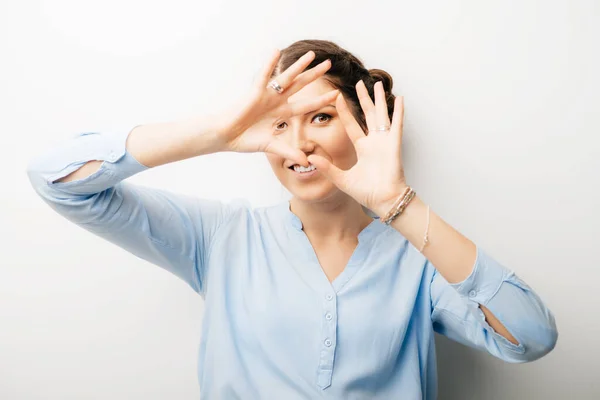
column 426, row 236
column 400, row 205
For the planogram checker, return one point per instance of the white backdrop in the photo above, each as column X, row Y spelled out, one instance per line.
column 501, row 138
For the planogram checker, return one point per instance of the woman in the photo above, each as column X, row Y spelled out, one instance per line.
column 311, row 298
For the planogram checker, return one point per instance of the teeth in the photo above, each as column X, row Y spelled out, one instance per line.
column 299, row 168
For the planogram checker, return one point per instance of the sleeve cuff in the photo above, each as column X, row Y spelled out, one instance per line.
column 485, row 279
column 108, row 147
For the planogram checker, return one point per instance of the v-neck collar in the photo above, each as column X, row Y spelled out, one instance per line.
column 305, row 258
column 371, row 230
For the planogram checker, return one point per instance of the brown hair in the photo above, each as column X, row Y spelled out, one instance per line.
column 345, row 72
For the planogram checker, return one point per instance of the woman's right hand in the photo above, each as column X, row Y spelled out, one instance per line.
column 252, row 127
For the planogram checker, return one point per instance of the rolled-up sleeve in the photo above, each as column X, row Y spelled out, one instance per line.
column 456, row 313
column 173, row 231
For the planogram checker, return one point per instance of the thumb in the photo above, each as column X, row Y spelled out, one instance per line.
column 282, row 149
column 330, row 171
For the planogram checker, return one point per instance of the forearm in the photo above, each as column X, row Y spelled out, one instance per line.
column 165, row 142
column 160, row 143
column 451, row 253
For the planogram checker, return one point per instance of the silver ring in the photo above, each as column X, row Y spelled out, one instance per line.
column 275, row 86
column 381, row 128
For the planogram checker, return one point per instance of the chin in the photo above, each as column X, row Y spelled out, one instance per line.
column 313, row 192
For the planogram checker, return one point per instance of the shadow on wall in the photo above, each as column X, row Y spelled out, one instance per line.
column 464, row 373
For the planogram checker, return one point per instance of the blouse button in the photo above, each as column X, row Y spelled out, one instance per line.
column 472, row 293
column 328, row 317
column 329, row 297
column 327, row 342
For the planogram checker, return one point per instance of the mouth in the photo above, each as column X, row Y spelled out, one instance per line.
column 303, row 172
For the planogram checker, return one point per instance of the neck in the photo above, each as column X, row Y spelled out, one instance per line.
column 333, row 219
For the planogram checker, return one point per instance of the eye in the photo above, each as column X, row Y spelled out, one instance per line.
column 323, row 115
column 327, row 116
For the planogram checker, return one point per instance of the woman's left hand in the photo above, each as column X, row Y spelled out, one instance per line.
column 377, row 178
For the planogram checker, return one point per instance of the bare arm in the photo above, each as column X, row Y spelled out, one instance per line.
column 496, row 291
column 452, row 254
column 164, row 142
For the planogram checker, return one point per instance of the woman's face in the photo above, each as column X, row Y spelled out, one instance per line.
column 319, row 132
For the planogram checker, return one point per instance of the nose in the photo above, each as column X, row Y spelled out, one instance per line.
column 300, row 140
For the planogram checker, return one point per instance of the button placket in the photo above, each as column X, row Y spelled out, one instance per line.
column 328, row 343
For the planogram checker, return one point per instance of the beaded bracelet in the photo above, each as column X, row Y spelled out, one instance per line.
column 426, row 237
column 399, row 206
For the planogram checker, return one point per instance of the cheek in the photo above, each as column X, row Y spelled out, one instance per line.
column 274, row 160
column 276, row 163
column 340, row 149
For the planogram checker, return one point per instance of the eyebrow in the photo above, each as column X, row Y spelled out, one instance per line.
column 328, row 105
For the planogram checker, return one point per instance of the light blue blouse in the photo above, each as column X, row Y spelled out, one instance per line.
column 274, row 326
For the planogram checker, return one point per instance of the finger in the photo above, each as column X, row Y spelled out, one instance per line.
column 366, row 104
column 353, row 129
column 331, row 172
column 398, row 117
column 287, row 76
column 381, row 111
column 282, row 149
column 308, row 76
column 267, row 71
column 306, row 106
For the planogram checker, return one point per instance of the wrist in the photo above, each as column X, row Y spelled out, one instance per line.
column 387, row 202
column 209, row 134
column 224, row 133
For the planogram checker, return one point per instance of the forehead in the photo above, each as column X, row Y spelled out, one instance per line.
column 315, row 88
